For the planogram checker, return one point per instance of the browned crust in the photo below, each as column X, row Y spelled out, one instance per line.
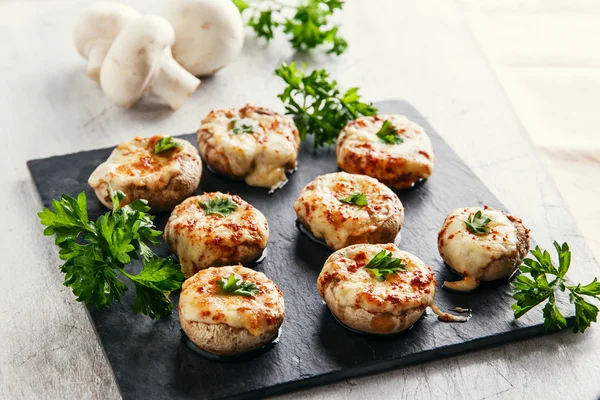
column 388, row 170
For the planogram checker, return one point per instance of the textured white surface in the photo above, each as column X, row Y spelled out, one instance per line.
column 426, row 54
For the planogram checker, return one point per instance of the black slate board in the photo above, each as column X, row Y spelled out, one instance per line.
column 151, row 361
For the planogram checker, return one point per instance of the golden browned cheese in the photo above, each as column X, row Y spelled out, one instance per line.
column 261, row 156
column 354, row 286
column 360, row 151
column 164, row 179
column 202, row 300
column 339, row 224
column 201, row 241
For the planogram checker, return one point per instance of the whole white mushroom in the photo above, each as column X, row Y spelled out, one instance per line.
column 96, row 28
column 208, row 34
column 140, row 62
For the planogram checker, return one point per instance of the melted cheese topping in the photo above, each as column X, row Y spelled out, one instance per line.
column 201, row 240
column 354, row 286
column 261, row 157
column 201, row 301
column 134, row 163
column 468, row 253
column 360, row 151
column 335, row 222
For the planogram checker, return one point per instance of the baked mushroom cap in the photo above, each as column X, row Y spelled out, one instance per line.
column 251, row 143
column 361, row 302
column 163, row 179
column 201, row 239
column 482, row 256
column 339, row 224
column 225, row 323
column 360, row 151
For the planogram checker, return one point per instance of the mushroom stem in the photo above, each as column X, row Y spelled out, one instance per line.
column 96, row 55
column 173, row 83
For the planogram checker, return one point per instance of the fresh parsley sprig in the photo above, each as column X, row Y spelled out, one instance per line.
column 236, row 286
column 316, row 104
column 389, row 134
column 542, row 284
column 164, row 144
column 221, row 206
column 478, row 224
column 239, row 126
column 383, row 264
column 93, row 253
column 308, row 27
column 358, row 199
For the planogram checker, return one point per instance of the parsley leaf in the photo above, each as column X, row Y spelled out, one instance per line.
column 358, row 199
column 478, row 224
column 235, row 286
column 93, row 253
column 383, row 264
column 221, row 206
column 317, row 105
column 388, row 134
column 165, row 144
column 239, row 126
column 542, row 284
column 307, row 26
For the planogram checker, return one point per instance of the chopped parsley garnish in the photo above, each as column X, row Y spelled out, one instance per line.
column 358, row 199
column 316, row 104
column 165, row 144
column 221, row 206
column 542, row 284
column 239, row 126
column 93, row 253
column 383, row 264
column 235, row 286
column 389, row 134
column 478, row 224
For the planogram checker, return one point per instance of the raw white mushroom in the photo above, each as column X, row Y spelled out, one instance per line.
column 140, row 62
column 208, row 34
column 96, row 28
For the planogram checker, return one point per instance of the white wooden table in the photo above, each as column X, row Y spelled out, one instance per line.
column 421, row 51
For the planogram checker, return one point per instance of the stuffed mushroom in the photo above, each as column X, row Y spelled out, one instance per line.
column 482, row 244
column 378, row 289
column 391, row 148
column 230, row 310
column 215, row 229
column 161, row 170
column 250, row 143
column 344, row 209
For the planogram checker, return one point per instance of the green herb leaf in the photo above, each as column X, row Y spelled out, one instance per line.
column 545, row 282
column 383, row 264
column 165, row 144
column 235, row 286
column 358, row 199
column 316, row 104
column 388, row 134
column 241, row 5
column 93, row 253
column 221, row 206
column 153, row 284
column 307, row 25
column 239, row 126
column 478, row 224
